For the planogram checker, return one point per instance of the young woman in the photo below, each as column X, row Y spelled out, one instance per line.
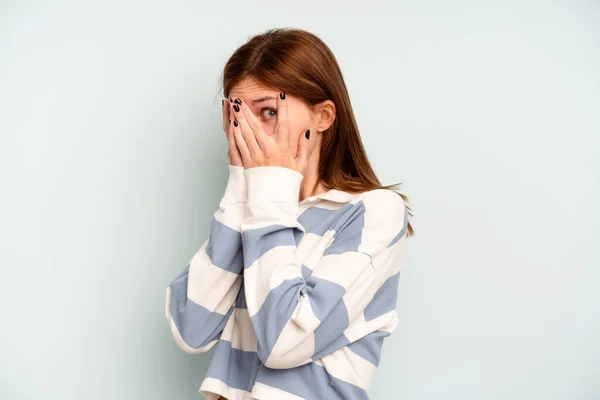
column 296, row 285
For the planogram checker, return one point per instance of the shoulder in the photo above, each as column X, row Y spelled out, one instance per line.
column 384, row 220
column 383, row 204
column 382, row 210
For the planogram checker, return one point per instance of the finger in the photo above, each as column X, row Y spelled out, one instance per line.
column 241, row 143
column 230, row 137
column 225, row 113
column 240, row 110
column 236, row 156
column 281, row 122
column 303, row 142
column 229, row 127
column 262, row 138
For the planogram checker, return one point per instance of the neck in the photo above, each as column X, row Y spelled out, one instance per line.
column 310, row 178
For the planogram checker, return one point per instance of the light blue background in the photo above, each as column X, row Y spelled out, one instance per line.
column 112, row 162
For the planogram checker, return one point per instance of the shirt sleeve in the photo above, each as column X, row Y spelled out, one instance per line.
column 298, row 320
column 200, row 300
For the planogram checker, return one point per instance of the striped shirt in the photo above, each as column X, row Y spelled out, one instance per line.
column 296, row 297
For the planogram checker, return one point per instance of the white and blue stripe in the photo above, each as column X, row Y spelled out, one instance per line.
column 297, row 296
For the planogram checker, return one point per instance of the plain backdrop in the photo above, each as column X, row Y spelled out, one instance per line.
column 112, row 163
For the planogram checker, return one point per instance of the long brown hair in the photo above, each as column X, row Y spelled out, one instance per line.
column 299, row 63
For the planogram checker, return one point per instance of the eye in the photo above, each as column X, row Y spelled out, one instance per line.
column 268, row 112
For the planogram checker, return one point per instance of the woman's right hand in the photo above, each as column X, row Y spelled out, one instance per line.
column 233, row 153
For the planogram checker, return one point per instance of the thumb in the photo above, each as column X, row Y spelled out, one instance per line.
column 303, row 148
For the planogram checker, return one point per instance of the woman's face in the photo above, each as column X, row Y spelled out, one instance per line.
column 262, row 100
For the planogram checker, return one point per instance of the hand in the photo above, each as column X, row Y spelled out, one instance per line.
column 258, row 149
column 233, row 153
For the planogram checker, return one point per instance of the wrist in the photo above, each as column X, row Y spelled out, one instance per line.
column 236, row 189
column 273, row 184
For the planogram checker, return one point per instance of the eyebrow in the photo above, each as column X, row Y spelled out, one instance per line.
column 264, row 98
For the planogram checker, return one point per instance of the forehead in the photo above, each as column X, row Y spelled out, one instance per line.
column 250, row 88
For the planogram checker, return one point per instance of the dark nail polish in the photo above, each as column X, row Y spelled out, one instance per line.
column 307, row 133
column 222, row 102
column 238, row 100
column 236, row 107
column 230, row 100
column 282, row 95
column 235, row 122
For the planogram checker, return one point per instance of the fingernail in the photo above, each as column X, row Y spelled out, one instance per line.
column 230, row 100
column 238, row 100
column 235, row 122
column 282, row 95
column 222, row 102
column 236, row 107
column 307, row 133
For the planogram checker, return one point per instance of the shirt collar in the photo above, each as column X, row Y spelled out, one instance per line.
column 338, row 196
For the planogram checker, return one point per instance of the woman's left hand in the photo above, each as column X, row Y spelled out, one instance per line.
column 258, row 149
